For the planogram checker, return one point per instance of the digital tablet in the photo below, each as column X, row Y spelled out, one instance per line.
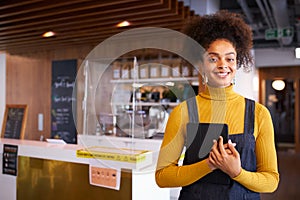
column 200, row 137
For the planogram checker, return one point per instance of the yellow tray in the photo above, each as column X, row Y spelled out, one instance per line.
column 116, row 154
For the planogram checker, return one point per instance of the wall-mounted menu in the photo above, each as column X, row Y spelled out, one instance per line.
column 63, row 82
column 10, row 159
column 14, row 121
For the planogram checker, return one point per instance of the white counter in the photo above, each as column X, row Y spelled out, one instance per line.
column 143, row 180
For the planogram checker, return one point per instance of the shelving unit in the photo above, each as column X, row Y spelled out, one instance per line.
column 161, row 108
column 171, row 104
column 153, row 80
column 146, row 85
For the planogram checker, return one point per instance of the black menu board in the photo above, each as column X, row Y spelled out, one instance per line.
column 10, row 159
column 63, row 82
column 14, row 121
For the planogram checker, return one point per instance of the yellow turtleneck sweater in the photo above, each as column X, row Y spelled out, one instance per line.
column 218, row 105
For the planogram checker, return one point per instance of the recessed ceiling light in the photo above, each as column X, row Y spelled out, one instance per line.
column 49, row 34
column 123, row 24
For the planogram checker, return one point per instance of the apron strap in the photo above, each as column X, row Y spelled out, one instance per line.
column 249, row 116
column 192, row 110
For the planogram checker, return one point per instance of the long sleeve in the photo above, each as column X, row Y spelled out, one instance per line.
column 168, row 173
column 266, row 178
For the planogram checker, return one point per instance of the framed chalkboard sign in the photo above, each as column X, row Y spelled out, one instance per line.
column 14, row 121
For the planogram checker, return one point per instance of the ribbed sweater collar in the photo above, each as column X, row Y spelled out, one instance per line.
column 219, row 94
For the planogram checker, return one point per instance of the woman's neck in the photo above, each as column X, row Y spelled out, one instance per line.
column 220, row 94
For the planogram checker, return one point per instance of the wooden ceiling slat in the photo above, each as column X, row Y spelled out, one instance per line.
column 64, row 28
column 15, row 3
column 92, row 42
column 192, row 13
column 78, row 17
column 174, row 6
column 71, row 24
column 87, row 25
column 77, row 32
column 91, row 36
column 62, row 11
column 181, row 9
column 35, row 6
column 187, row 12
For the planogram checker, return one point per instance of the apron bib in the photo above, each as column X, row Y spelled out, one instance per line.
column 217, row 185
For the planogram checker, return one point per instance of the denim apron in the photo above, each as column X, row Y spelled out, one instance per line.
column 217, row 185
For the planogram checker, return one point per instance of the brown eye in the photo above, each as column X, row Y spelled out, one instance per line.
column 212, row 60
column 230, row 60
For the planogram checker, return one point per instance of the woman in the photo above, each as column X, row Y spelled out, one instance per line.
column 247, row 164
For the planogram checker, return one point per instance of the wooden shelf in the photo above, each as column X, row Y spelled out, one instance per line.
column 172, row 104
column 156, row 80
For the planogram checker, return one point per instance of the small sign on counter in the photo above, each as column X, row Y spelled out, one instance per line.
column 10, row 159
column 103, row 176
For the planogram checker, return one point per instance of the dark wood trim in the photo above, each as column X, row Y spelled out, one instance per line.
column 284, row 72
column 297, row 115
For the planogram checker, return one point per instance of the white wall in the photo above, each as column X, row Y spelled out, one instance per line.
column 276, row 57
column 8, row 182
column 246, row 84
column 2, row 86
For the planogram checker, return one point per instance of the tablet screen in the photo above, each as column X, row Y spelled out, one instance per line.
column 200, row 137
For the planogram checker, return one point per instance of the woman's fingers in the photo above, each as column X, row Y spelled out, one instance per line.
column 233, row 150
column 221, row 146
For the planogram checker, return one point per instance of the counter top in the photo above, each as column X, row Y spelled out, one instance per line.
column 45, row 150
column 67, row 152
column 142, row 179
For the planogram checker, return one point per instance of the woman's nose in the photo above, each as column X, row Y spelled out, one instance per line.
column 222, row 64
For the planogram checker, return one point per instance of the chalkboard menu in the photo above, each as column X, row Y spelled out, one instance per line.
column 14, row 121
column 63, row 82
column 10, row 159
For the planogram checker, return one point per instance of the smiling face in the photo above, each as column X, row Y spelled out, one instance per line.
column 219, row 63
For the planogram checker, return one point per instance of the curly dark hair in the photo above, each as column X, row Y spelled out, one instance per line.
column 223, row 25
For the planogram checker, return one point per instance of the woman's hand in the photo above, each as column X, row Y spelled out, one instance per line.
column 225, row 157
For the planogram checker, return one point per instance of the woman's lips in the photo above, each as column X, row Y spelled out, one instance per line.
column 222, row 74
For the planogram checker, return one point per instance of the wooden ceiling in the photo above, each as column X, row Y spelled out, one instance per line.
column 80, row 22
